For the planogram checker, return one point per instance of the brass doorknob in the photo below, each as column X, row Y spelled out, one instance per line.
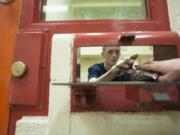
column 5, row 1
column 18, row 69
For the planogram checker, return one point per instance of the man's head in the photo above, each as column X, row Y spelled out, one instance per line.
column 111, row 54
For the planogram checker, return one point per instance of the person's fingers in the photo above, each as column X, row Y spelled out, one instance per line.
column 149, row 61
column 146, row 65
column 123, row 66
column 152, row 66
column 134, row 57
column 126, row 64
column 129, row 61
column 172, row 76
column 165, row 78
column 149, row 67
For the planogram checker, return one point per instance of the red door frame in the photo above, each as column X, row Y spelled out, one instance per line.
column 158, row 20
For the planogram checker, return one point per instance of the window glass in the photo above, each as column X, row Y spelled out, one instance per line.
column 59, row 10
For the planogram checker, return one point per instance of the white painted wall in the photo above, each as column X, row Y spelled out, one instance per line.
column 62, row 122
column 32, row 125
column 174, row 14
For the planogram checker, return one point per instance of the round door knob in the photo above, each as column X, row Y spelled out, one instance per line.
column 19, row 69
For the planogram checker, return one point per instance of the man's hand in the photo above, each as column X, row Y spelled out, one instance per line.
column 125, row 65
column 116, row 70
column 169, row 70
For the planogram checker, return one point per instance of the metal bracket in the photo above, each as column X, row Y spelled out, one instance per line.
column 84, row 98
column 128, row 37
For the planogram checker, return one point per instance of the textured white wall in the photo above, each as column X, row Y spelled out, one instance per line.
column 31, row 126
column 174, row 14
column 59, row 101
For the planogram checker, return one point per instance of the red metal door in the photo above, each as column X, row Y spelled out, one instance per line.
column 29, row 94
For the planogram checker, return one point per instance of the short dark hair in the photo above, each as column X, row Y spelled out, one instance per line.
column 104, row 47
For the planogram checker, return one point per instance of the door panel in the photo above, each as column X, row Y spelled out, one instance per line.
column 25, row 90
column 29, row 93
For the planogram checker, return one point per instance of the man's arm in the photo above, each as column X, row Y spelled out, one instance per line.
column 108, row 76
column 115, row 70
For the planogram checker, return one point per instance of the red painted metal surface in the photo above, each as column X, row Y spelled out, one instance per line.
column 30, row 22
column 28, row 49
column 124, row 97
column 121, row 98
column 29, row 94
column 148, row 37
column 158, row 20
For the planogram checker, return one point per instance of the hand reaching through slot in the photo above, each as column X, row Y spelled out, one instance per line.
column 169, row 70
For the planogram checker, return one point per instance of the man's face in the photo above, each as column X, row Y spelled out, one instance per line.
column 111, row 55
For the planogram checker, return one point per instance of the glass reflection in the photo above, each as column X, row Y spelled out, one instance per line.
column 58, row 10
